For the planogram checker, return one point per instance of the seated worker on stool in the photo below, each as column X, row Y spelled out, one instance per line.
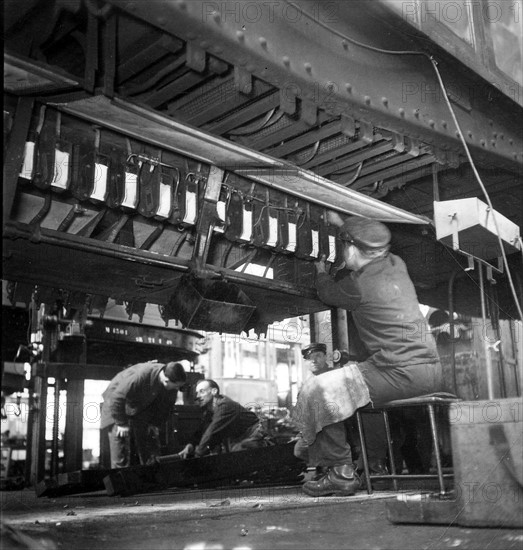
column 316, row 354
column 136, row 403
column 402, row 359
column 225, row 424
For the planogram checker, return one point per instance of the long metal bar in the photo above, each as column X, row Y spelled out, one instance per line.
column 435, row 442
column 452, row 332
column 363, row 444
column 385, row 415
column 55, row 433
column 18, row 230
column 486, row 347
column 27, row 76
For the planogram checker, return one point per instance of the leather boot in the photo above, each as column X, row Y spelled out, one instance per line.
column 339, row 480
column 320, row 472
column 376, row 468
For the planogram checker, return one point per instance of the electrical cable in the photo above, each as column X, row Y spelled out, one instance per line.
column 481, row 184
column 454, row 118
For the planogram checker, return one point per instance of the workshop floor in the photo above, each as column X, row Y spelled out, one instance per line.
column 228, row 519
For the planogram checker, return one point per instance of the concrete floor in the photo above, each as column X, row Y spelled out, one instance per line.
column 228, row 519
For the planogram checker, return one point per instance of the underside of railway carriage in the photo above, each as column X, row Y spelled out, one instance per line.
column 158, row 152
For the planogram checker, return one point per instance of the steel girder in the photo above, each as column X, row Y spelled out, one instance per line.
column 305, row 49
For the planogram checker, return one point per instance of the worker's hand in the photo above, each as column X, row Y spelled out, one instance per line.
column 187, row 451
column 153, row 431
column 321, row 265
column 122, row 431
column 334, row 218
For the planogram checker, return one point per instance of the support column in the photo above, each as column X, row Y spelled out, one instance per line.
column 73, row 436
column 38, row 444
column 75, row 352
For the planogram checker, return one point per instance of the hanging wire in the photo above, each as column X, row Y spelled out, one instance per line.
column 454, row 118
column 310, row 155
column 481, row 184
column 268, row 120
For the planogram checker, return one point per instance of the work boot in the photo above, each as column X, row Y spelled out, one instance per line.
column 377, row 468
column 320, row 472
column 339, row 480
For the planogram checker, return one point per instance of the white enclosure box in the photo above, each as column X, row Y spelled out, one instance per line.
column 468, row 225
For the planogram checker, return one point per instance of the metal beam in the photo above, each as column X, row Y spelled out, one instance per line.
column 25, row 76
column 288, row 45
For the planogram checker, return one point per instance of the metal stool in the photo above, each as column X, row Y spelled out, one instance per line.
column 430, row 401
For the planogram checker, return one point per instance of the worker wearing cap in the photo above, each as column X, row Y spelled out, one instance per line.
column 136, row 403
column 226, row 425
column 402, row 360
column 316, row 354
column 334, row 435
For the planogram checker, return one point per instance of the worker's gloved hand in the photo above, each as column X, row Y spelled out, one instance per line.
column 320, row 265
column 334, row 218
column 122, row 431
column 187, row 451
column 153, row 431
column 152, row 460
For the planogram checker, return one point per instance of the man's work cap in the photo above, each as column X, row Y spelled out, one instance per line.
column 175, row 372
column 311, row 348
column 364, row 233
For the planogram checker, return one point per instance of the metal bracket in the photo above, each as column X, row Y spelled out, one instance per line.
column 309, row 112
column 494, row 346
column 366, row 131
column 196, row 57
column 243, row 80
column 209, row 215
column 348, row 125
column 288, row 100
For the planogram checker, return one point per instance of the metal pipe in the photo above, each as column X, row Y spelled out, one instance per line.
column 494, row 312
column 437, row 454
column 385, row 416
column 514, row 336
column 488, row 360
column 55, row 435
column 451, row 330
column 363, row 445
